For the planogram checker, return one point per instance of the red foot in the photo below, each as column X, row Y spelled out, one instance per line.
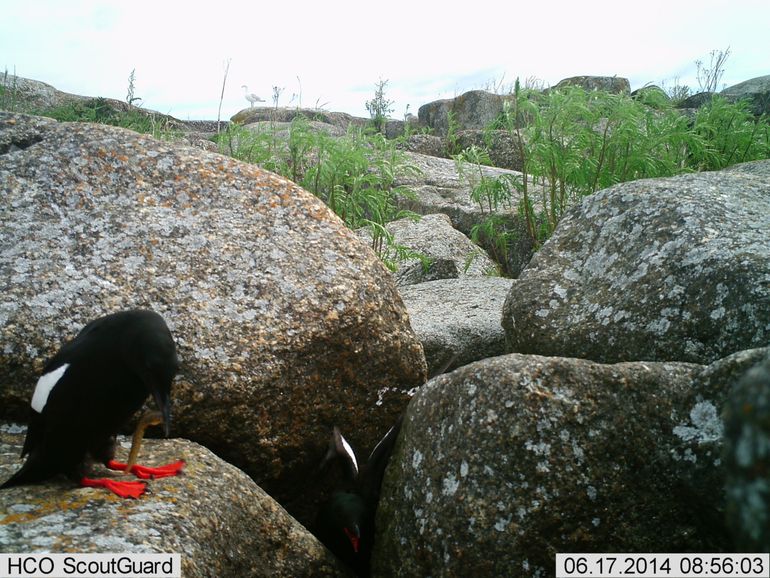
column 122, row 489
column 148, row 473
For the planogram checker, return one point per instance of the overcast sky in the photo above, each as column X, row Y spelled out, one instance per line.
column 332, row 53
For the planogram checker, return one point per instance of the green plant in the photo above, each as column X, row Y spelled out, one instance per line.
column 572, row 143
column 488, row 192
column 452, row 147
column 8, row 92
column 677, row 92
column 709, row 77
column 379, row 107
column 277, row 92
column 730, row 135
column 222, row 96
column 130, row 98
column 102, row 111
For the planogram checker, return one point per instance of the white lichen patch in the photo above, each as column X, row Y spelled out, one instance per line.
column 705, row 425
column 502, row 523
column 449, row 485
column 416, row 459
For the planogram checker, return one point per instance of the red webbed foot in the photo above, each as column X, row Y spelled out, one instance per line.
column 147, row 472
column 122, row 489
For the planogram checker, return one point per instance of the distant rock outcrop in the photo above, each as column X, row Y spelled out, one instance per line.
column 613, row 84
column 212, row 514
column 439, row 188
column 286, row 323
column 475, row 109
column 445, row 253
column 286, row 114
column 756, row 91
column 661, row 269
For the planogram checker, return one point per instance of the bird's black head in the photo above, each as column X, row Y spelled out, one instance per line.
column 340, row 525
column 152, row 353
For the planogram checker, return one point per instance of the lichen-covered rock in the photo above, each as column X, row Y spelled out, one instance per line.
column 662, row 269
column 425, row 144
column 747, row 459
column 503, row 147
column 433, row 238
column 255, row 114
column 457, row 319
column 755, row 91
column 213, row 514
column 506, row 461
column 613, row 84
column 439, row 188
column 285, row 322
column 475, row 109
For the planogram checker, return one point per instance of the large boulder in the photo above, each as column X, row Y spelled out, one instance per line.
column 23, row 94
column 755, row 91
column 747, row 459
column 457, row 320
column 440, row 188
column 476, row 109
column 441, row 251
column 285, row 322
column 425, row 144
column 213, row 514
column 613, row 84
column 660, row 269
column 508, row 460
column 341, row 120
column 502, row 147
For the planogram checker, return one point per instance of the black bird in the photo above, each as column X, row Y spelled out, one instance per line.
column 345, row 522
column 89, row 390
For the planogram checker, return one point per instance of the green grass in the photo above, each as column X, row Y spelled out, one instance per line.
column 575, row 142
column 100, row 110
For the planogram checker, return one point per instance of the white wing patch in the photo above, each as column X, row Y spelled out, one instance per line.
column 349, row 451
column 45, row 385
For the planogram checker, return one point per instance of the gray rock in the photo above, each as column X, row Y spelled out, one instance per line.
column 425, row 144
column 503, row 150
column 660, row 269
column 505, row 461
column 475, row 109
column 696, row 100
column 287, row 114
column 439, row 188
column 23, row 94
column 756, row 91
column 613, row 84
column 280, row 130
column 285, row 322
column 457, row 318
column 432, row 236
column 759, row 169
column 747, row 459
column 397, row 128
column 213, row 514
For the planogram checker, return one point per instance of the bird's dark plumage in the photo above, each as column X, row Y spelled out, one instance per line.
column 91, row 387
column 345, row 522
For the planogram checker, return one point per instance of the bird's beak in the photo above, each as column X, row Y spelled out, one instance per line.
column 164, row 405
column 354, row 536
